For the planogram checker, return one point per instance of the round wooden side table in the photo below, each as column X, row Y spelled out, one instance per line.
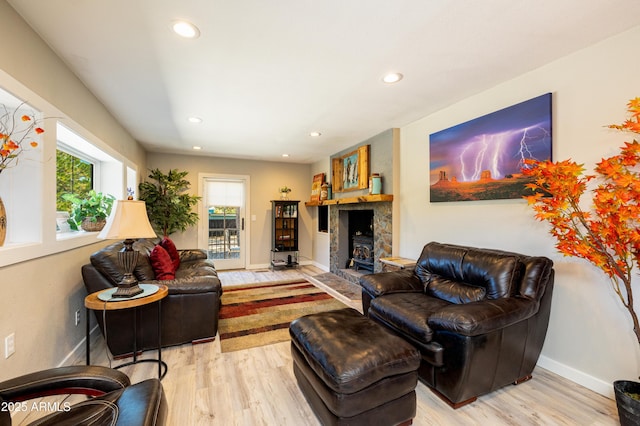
column 101, row 301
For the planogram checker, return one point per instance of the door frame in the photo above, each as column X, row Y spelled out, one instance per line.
column 203, row 211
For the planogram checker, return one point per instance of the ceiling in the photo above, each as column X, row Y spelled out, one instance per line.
column 264, row 74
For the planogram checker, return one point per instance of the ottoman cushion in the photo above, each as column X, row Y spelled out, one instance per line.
column 352, row 363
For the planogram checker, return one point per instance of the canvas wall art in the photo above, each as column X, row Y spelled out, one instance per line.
column 482, row 159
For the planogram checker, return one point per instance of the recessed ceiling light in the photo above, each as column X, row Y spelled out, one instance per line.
column 285, row 155
column 196, row 120
column 185, row 29
column 315, row 134
column 393, row 77
column 197, row 148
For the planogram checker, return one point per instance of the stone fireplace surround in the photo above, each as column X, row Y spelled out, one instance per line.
column 339, row 235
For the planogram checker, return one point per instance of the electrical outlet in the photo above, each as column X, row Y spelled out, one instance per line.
column 9, row 345
column 77, row 317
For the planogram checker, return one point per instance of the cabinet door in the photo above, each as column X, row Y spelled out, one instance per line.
column 285, row 226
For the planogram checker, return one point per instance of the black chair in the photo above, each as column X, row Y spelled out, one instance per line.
column 112, row 399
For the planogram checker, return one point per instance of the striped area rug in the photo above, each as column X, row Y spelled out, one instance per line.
column 259, row 314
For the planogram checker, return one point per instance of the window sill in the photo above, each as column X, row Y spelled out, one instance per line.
column 15, row 253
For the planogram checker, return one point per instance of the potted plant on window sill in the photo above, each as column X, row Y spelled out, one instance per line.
column 89, row 213
column 608, row 236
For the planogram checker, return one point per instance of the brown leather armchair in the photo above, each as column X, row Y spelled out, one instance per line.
column 189, row 312
column 478, row 316
column 114, row 401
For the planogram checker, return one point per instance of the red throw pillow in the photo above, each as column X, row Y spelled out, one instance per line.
column 161, row 264
column 170, row 247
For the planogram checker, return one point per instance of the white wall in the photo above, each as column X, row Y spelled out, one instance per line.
column 590, row 338
column 266, row 177
column 320, row 239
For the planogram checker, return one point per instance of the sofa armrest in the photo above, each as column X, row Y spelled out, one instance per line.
column 192, row 254
column 402, row 281
column 94, row 280
column 88, row 380
column 476, row 318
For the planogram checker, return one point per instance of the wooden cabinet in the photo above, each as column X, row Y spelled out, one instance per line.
column 284, row 233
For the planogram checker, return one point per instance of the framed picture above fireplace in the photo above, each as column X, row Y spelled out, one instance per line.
column 351, row 171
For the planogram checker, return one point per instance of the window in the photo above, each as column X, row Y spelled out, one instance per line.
column 132, row 182
column 65, row 158
column 73, row 176
column 81, row 167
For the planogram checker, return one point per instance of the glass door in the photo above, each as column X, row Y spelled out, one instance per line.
column 223, row 233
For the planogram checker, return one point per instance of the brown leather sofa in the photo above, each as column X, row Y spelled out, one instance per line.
column 114, row 401
column 189, row 312
column 478, row 316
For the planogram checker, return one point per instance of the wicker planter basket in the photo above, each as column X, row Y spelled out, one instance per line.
column 90, row 226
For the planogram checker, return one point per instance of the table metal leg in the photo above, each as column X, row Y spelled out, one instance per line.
column 135, row 335
column 160, row 339
column 88, row 344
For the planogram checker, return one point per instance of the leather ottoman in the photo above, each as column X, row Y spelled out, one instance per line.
column 352, row 370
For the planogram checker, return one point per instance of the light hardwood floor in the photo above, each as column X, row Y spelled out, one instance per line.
column 257, row 387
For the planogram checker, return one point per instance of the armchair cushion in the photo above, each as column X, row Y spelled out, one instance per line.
column 499, row 273
column 484, row 317
column 454, row 292
column 407, row 314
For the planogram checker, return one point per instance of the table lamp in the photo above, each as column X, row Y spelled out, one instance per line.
column 128, row 221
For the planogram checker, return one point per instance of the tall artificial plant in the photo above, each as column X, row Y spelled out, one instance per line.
column 169, row 207
column 608, row 234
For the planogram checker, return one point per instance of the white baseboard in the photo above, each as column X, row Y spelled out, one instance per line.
column 267, row 265
column 79, row 351
column 577, row 376
column 325, row 268
column 258, row 266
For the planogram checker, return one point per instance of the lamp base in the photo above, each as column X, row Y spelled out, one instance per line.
column 126, row 292
column 128, row 287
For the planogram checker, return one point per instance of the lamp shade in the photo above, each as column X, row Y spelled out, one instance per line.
column 128, row 220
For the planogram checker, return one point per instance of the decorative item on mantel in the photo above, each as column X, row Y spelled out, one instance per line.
column 324, row 192
column 15, row 130
column 316, row 185
column 375, row 184
column 284, row 192
column 608, row 236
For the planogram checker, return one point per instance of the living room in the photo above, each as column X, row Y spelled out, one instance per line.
column 589, row 340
